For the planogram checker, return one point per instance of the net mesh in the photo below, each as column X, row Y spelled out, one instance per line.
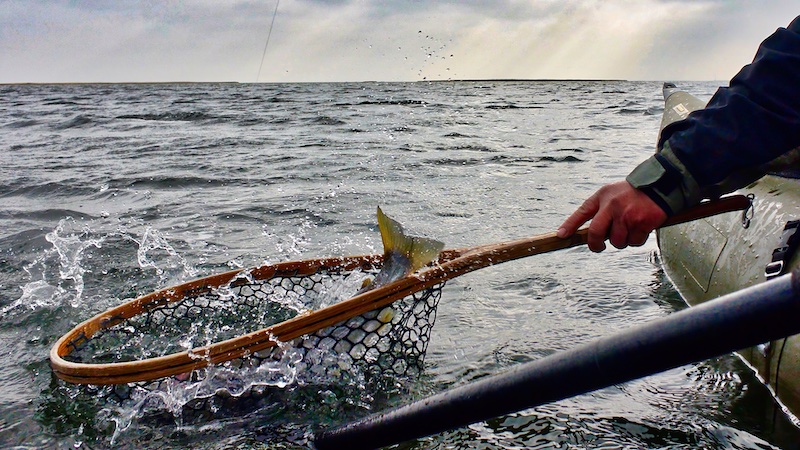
column 390, row 340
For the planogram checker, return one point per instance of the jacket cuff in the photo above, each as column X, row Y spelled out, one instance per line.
column 651, row 177
column 666, row 181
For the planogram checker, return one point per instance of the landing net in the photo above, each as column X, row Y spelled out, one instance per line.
column 390, row 340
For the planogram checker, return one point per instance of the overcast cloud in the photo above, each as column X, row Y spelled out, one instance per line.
column 341, row 40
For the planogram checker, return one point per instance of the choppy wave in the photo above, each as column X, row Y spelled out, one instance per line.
column 513, row 106
column 325, row 120
column 561, row 159
column 179, row 116
column 47, row 189
column 22, row 123
column 393, row 103
column 76, row 122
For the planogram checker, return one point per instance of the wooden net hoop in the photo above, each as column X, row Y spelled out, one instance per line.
column 131, row 342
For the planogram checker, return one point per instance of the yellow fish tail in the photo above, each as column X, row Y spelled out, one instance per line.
column 419, row 251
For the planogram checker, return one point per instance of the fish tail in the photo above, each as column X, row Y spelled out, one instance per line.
column 419, row 251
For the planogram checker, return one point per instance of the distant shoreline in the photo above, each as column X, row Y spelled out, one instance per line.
column 40, row 83
column 481, row 80
column 535, row 80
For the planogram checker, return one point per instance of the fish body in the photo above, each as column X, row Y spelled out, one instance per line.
column 402, row 254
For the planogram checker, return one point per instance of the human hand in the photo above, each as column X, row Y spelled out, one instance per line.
column 620, row 213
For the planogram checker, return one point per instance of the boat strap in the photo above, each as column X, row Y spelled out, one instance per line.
column 785, row 250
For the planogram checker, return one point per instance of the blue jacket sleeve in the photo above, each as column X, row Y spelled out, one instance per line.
column 744, row 126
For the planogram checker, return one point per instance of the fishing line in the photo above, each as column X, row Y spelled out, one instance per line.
column 264, row 54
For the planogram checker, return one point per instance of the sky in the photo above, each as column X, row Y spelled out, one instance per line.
column 388, row 40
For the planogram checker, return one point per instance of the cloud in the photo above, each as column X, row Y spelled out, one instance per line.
column 349, row 40
column 122, row 41
column 721, row 42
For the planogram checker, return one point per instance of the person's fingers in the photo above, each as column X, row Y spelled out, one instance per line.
column 641, row 220
column 598, row 231
column 637, row 238
column 619, row 212
column 618, row 234
column 583, row 214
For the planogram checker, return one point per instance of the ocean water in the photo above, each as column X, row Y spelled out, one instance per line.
column 112, row 191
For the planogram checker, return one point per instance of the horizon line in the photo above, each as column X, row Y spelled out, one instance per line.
column 460, row 80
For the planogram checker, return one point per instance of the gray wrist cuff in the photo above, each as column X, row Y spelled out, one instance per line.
column 667, row 181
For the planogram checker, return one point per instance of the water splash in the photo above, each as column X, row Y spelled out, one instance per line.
column 341, row 290
column 57, row 275
column 289, row 244
column 36, row 294
column 70, row 249
column 154, row 249
column 173, row 395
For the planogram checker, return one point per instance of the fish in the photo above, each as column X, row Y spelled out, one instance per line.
column 402, row 254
